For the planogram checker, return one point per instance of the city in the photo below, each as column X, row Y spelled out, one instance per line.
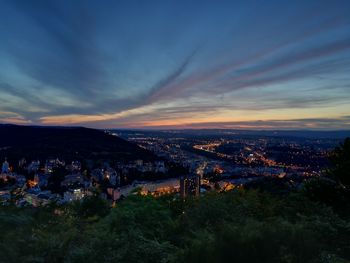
column 167, row 131
column 220, row 161
column 131, row 187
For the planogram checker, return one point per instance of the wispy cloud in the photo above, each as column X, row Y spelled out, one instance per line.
column 315, row 123
column 120, row 64
column 258, row 73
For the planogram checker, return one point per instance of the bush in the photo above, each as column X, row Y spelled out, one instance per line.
column 244, row 225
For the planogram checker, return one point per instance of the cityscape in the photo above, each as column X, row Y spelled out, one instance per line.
column 167, row 131
column 214, row 162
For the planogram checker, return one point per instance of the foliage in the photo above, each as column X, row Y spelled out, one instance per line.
column 267, row 222
column 327, row 191
column 56, row 178
column 90, row 207
column 340, row 160
column 242, row 225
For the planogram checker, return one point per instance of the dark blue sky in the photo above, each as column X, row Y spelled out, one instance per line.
column 231, row 64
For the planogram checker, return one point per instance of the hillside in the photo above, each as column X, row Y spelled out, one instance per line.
column 238, row 226
column 36, row 142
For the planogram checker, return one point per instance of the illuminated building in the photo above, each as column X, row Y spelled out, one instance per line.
column 190, row 185
column 197, row 184
column 182, row 187
column 51, row 164
column 73, row 195
column 36, row 179
column 76, row 166
column 112, row 176
column 5, row 167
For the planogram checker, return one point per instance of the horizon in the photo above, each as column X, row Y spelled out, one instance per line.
column 174, row 65
column 176, row 128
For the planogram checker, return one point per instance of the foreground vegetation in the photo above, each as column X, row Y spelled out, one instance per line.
column 311, row 224
column 248, row 226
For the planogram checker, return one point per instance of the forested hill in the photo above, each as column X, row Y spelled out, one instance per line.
column 66, row 142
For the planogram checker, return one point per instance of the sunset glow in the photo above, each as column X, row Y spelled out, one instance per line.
column 176, row 64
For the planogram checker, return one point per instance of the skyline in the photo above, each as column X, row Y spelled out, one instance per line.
column 247, row 64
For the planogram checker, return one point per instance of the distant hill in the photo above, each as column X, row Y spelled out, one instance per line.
column 203, row 133
column 37, row 142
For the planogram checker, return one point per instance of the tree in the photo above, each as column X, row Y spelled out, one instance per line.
column 340, row 160
column 91, row 206
column 329, row 192
column 56, row 178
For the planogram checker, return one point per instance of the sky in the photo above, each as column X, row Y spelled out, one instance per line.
column 160, row 64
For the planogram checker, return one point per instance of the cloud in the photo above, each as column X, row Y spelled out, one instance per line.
column 113, row 64
column 310, row 123
column 13, row 118
column 246, row 76
column 171, row 78
column 60, row 48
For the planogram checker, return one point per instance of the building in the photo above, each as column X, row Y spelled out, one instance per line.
column 22, row 163
column 160, row 167
column 190, row 185
column 38, row 199
column 197, row 179
column 20, row 180
column 183, row 187
column 73, row 179
column 34, row 166
column 51, row 164
column 5, row 167
column 112, row 176
column 97, row 175
column 139, row 162
column 114, row 194
column 73, row 195
column 76, row 166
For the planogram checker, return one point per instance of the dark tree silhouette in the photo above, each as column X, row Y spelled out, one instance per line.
column 340, row 160
column 56, row 179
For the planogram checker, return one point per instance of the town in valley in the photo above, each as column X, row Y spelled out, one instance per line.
column 185, row 163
